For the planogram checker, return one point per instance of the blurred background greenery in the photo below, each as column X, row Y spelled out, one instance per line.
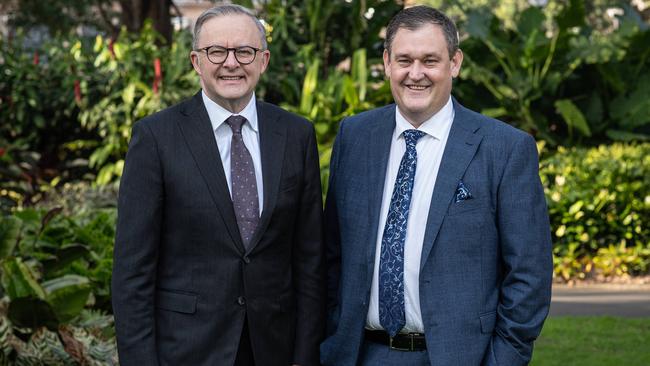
column 575, row 74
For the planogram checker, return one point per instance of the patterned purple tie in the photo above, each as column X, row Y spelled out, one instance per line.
column 244, row 185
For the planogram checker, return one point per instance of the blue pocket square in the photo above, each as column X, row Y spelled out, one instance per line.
column 462, row 193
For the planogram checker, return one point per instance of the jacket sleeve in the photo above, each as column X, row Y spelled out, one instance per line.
column 308, row 268
column 140, row 206
column 526, row 254
column 333, row 239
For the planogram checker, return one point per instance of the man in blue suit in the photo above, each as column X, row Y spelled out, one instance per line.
column 439, row 249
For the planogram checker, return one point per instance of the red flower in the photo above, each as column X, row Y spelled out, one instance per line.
column 110, row 47
column 36, row 58
column 77, row 91
column 157, row 69
column 2, row 151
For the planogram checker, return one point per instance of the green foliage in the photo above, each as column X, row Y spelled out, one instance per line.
column 525, row 66
column 53, row 268
column 58, row 257
column 60, row 16
column 130, row 88
column 71, row 109
column 327, row 101
column 553, row 74
column 599, row 205
column 39, row 113
column 304, row 33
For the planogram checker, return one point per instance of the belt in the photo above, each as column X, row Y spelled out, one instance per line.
column 401, row 342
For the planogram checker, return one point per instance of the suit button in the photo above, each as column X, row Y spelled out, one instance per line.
column 247, row 260
column 241, row 300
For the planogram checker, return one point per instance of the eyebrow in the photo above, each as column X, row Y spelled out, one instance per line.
column 432, row 54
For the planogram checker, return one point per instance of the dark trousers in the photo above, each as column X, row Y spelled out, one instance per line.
column 245, row 350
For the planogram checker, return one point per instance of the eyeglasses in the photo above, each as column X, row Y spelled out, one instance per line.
column 218, row 55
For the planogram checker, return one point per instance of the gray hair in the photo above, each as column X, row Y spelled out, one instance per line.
column 418, row 16
column 222, row 10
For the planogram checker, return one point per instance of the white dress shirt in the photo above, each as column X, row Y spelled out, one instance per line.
column 250, row 134
column 429, row 149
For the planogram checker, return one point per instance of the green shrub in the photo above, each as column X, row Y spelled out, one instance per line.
column 130, row 78
column 599, row 205
column 55, row 273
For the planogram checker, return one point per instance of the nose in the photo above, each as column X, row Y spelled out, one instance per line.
column 416, row 71
column 231, row 61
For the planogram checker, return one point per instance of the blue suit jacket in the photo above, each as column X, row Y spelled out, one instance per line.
column 486, row 267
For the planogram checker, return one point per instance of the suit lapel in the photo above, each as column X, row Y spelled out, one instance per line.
column 379, row 143
column 459, row 151
column 272, row 145
column 198, row 134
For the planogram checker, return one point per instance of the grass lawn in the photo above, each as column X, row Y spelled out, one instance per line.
column 593, row 341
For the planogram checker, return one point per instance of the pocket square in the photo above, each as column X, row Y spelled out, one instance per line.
column 462, row 193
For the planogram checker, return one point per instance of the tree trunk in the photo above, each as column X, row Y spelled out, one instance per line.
column 135, row 12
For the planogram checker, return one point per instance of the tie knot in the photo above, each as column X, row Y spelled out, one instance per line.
column 235, row 123
column 411, row 137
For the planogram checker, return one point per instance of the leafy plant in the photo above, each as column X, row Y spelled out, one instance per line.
column 52, row 269
column 552, row 73
column 599, row 204
column 138, row 78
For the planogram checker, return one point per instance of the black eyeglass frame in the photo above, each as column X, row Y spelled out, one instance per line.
column 234, row 51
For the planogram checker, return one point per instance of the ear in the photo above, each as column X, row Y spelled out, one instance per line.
column 387, row 63
column 456, row 62
column 196, row 63
column 266, row 56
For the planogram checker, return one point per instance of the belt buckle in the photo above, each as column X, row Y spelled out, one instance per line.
column 411, row 348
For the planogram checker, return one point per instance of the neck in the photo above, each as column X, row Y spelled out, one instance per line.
column 234, row 106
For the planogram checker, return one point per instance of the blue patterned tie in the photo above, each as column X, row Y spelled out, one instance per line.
column 391, row 263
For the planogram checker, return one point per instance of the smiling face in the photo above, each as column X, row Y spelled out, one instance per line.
column 229, row 84
column 421, row 71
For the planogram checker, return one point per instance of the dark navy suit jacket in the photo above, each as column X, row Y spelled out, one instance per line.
column 486, row 267
column 183, row 283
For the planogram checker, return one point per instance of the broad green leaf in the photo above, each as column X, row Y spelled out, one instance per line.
column 67, row 295
column 129, row 94
column 576, row 207
column 18, row 280
column 98, row 43
column 478, row 23
column 64, row 257
column 360, row 72
column 495, row 112
column 530, row 21
column 105, row 174
column 9, row 229
column 308, row 88
column 29, row 216
column 572, row 116
column 573, row 14
column 627, row 136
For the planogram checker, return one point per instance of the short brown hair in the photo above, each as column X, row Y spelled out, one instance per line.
column 418, row 16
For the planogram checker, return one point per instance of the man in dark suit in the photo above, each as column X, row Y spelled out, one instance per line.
column 437, row 232
column 218, row 254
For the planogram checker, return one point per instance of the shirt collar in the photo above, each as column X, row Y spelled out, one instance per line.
column 218, row 114
column 436, row 126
